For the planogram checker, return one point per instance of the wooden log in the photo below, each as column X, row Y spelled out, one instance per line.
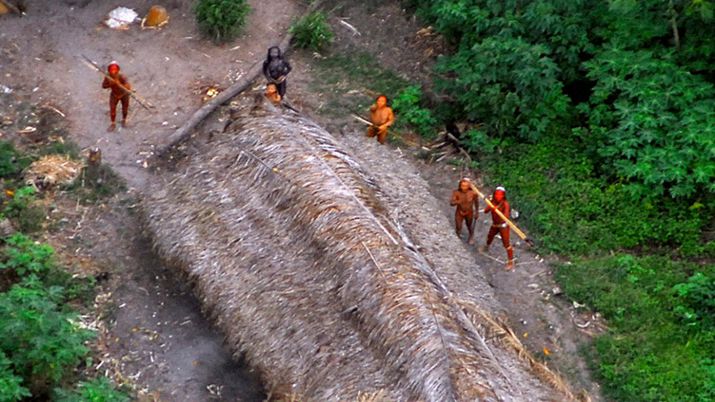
column 184, row 132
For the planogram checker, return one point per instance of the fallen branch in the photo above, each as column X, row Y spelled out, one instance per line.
column 350, row 27
column 183, row 132
column 54, row 109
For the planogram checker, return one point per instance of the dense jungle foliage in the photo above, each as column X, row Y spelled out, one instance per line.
column 599, row 117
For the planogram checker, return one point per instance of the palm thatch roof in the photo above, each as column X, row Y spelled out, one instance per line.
column 301, row 258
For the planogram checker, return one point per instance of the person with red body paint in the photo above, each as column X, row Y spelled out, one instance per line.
column 120, row 88
column 466, row 202
column 381, row 117
column 499, row 225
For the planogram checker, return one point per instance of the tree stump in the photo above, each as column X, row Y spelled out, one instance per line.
column 93, row 172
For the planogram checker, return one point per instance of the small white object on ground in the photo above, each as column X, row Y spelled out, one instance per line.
column 5, row 90
column 120, row 18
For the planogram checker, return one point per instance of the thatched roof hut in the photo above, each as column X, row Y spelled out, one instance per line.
column 301, row 258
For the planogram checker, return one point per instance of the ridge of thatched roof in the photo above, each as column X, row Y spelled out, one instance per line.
column 300, row 263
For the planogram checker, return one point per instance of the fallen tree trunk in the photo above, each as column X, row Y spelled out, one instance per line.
column 183, row 132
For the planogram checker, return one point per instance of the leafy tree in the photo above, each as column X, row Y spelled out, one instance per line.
column 653, row 123
column 507, row 83
column 513, row 59
column 635, row 167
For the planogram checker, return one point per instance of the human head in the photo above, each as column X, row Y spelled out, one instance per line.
column 271, row 88
column 464, row 184
column 113, row 68
column 273, row 52
column 499, row 194
column 381, row 100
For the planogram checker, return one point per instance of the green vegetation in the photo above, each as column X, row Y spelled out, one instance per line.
column 662, row 319
column 573, row 210
column 42, row 343
column 407, row 105
column 339, row 75
column 221, row 20
column 341, row 80
column 61, row 147
column 39, row 332
column 97, row 390
column 11, row 162
column 312, row 32
column 23, row 210
column 92, row 189
column 599, row 118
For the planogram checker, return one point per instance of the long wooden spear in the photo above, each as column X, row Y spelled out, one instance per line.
column 361, row 119
column 89, row 63
column 511, row 224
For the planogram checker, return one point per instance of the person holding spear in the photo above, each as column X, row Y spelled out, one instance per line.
column 381, row 117
column 499, row 224
column 119, row 92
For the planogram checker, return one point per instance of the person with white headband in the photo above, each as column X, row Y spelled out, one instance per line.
column 119, row 92
column 499, row 225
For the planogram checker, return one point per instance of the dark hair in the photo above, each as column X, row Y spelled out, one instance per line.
column 382, row 96
column 268, row 53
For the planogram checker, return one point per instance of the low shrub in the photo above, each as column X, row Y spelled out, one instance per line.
column 11, row 161
column 97, row 390
column 22, row 209
column 39, row 335
column 407, row 104
column 312, row 31
column 661, row 341
column 41, row 341
column 221, row 20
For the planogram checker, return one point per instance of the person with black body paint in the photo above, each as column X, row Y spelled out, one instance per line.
column 276, row 69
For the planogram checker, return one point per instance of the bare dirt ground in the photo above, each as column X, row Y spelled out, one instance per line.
column 155, row 334
column 42, row 54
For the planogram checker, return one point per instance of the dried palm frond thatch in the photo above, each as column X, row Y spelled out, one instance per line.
column 51, row 170
column 300, row 262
